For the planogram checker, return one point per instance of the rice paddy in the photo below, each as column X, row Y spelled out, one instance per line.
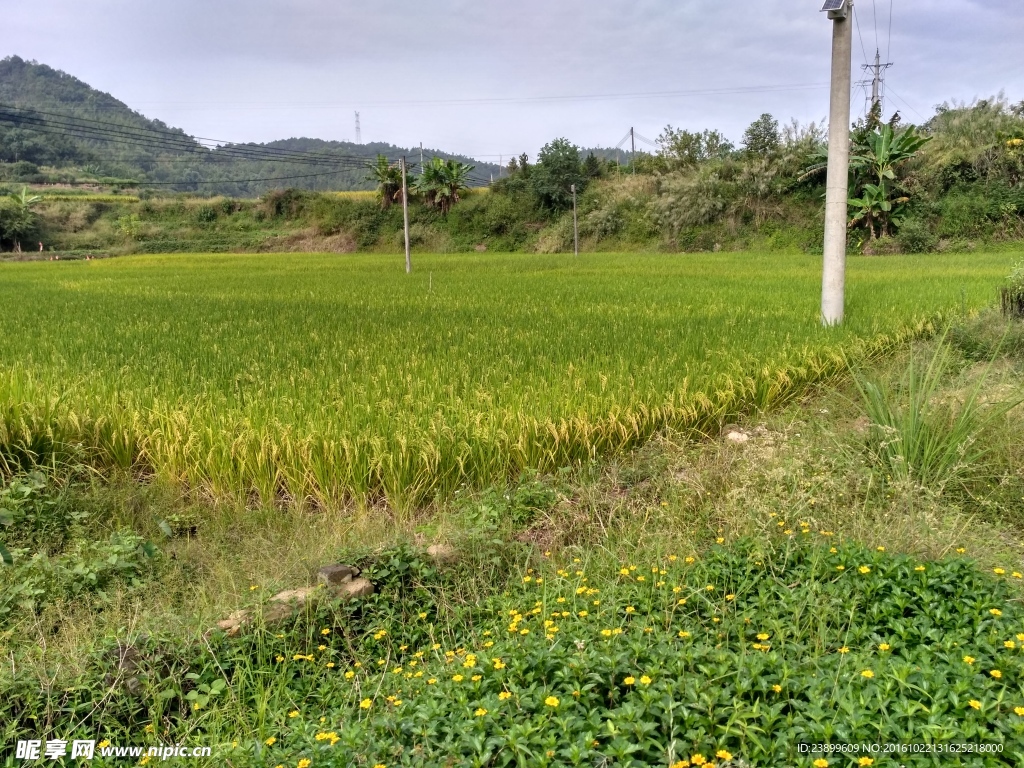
column 327, row 378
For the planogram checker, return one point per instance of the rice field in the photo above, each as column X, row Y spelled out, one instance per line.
column 326, row 378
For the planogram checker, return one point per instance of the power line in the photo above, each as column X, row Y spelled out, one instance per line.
column 874, row 13
column 505, row 100
column 171, row 139
column 201, row 154
column 229, row 181
column 646, row 140
column 888, row 45
column 131, row 137
column 906, row 103
column 860, row 34
column 134, row 141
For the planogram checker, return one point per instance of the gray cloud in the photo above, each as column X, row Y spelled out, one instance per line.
column 265, row 69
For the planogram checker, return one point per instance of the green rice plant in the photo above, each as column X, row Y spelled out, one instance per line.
column 918, row 437
column 88, row 198
column 314, row 378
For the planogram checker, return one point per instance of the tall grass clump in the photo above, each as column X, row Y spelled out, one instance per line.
column 1013, row 293
column 920, row 437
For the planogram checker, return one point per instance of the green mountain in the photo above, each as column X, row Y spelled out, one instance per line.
column 54, row 127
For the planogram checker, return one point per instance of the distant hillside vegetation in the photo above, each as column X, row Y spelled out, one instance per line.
column 56, row 128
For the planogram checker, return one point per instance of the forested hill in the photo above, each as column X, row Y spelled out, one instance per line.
column 54, row 127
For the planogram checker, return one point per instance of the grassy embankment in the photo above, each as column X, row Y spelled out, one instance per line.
column 616, row 214
column 639, row 677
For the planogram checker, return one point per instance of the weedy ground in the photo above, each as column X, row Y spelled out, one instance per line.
column 696, row 601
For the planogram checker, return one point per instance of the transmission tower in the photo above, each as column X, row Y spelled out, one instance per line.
column 877, row 71
column 359, row 131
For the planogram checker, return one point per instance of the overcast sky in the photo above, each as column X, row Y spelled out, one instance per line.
column 473, row 74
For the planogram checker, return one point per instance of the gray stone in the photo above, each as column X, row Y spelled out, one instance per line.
column 333, row 575
column 284, row 605
column 441, row 553
column 354, row 588
column 233, row 624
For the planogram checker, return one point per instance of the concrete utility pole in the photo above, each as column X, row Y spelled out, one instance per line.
column 405, row 214
column 833, row 282
column 575, row 226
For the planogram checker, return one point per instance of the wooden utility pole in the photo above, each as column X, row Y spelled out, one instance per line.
column 833, row 280
column 575, row 227
column 405, row 214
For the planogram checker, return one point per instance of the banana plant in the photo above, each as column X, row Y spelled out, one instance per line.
column 874, row 207
column 879, row 157
column 24, row 200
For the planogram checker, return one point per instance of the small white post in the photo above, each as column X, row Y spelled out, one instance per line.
column 405, row 214
column 575, row 227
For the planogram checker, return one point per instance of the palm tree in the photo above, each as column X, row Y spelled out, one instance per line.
column 442, row 182
column 388, row 177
